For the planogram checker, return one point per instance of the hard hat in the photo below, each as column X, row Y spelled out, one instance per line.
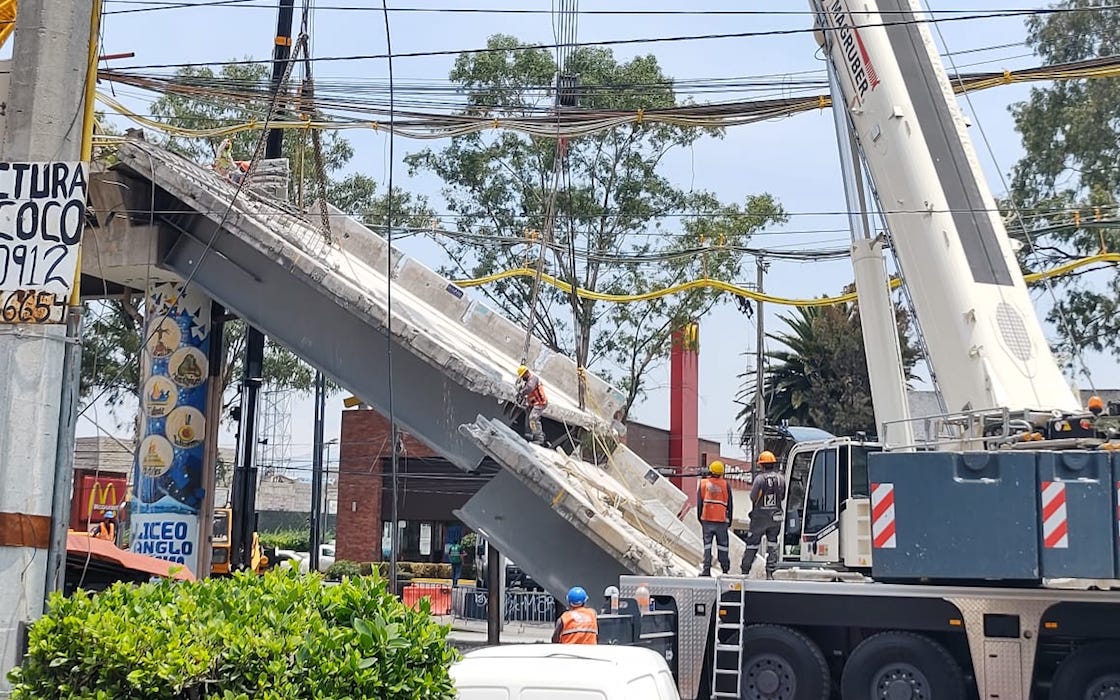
column 716, row 468
column 1096, row 404
column 522, row 370
column 767, row 457
column 577, row 596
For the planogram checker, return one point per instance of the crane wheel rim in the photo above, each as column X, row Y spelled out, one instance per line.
column 769, row 677
column 1104, row 688
column 900, row 681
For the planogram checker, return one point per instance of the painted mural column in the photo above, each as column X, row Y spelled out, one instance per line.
column 168, row 487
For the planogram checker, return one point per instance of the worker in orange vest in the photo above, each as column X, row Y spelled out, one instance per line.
column 107, row 528
column 579, row 624
column 530, row 393
column 713, row 508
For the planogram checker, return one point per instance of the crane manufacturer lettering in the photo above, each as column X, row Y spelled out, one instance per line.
column 856, row 59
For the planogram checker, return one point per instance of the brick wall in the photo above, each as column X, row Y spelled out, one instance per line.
column 365, row 441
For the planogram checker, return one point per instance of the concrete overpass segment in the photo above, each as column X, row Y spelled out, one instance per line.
column 453, row 359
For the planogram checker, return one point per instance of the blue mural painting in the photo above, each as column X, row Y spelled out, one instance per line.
column 168, row 490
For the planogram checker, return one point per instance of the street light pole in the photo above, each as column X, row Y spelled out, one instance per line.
column 317, row 471
column 760, row 367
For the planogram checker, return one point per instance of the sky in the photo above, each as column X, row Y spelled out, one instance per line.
column 795, row 159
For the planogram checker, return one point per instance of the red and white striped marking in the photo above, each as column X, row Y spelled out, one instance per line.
column 1055, row 527
column 882, row 516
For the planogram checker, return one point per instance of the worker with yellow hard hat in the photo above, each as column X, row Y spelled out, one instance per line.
column 530, row 394
column 713, row 508
column 768, row 495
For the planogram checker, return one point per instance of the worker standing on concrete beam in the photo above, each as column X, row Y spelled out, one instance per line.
column 530, row 393
column 713, row 508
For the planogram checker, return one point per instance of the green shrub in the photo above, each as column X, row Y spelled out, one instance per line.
column 291, row 538
column 271, row 637
column 427, row 570
column 382, row 567
column 297, row 540
column 341, row 568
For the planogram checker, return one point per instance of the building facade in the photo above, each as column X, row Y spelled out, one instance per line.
column 430, row 488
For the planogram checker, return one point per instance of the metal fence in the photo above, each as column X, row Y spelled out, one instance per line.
column 470, row 603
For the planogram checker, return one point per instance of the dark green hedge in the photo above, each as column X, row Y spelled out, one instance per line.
column 275, row 636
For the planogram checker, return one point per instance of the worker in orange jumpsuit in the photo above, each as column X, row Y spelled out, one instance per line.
column 713, row 508
column 579, row 624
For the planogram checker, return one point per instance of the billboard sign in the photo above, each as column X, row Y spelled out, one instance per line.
column 42, row 216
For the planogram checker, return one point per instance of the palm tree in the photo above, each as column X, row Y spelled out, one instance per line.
column 818, row 377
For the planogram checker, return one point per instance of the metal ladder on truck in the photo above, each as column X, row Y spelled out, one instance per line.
column 727, row 639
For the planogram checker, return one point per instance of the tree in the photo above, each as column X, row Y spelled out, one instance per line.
column 617, row 224
column 1071, row 135
column 818, row 378
column 112, row 338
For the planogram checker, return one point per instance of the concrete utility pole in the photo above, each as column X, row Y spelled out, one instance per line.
column 245, row 474
column 44, row 123
column 760, row 369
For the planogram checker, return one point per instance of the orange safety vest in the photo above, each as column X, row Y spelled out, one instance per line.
column 536, row 397
column 714, row 493
column 106, row 531
column 579, row 626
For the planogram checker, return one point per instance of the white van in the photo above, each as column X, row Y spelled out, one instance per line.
column 563, row 672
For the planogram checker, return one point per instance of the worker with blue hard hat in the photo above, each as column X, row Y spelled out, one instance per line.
column 106, row 529
column 579, row 624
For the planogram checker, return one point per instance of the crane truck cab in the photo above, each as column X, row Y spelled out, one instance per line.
column 828, row 508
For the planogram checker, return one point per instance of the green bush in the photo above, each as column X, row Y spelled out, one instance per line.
column 290, row 538
column 341, row 568
column 275, row 636
column 427, row 569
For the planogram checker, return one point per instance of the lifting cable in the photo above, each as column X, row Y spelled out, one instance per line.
column 307, row 111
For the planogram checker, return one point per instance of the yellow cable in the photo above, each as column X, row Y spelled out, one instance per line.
column 707, row 283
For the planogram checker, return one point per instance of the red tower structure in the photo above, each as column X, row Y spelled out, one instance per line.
column 684, row 401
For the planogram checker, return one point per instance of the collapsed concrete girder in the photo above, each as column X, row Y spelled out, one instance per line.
column 625, row 508
column 452, row 357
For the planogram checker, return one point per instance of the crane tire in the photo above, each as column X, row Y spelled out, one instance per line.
column 780, row 663
column 901, row 665
column 1090, row 673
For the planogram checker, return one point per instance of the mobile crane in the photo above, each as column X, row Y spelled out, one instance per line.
column 944, row 560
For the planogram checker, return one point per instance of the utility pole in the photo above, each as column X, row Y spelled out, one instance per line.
column 760, row 366
column 317, row 470
column 495, row 594
column 245, row 475
column 44, row 124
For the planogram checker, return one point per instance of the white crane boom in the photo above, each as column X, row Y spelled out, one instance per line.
column 985, row 341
